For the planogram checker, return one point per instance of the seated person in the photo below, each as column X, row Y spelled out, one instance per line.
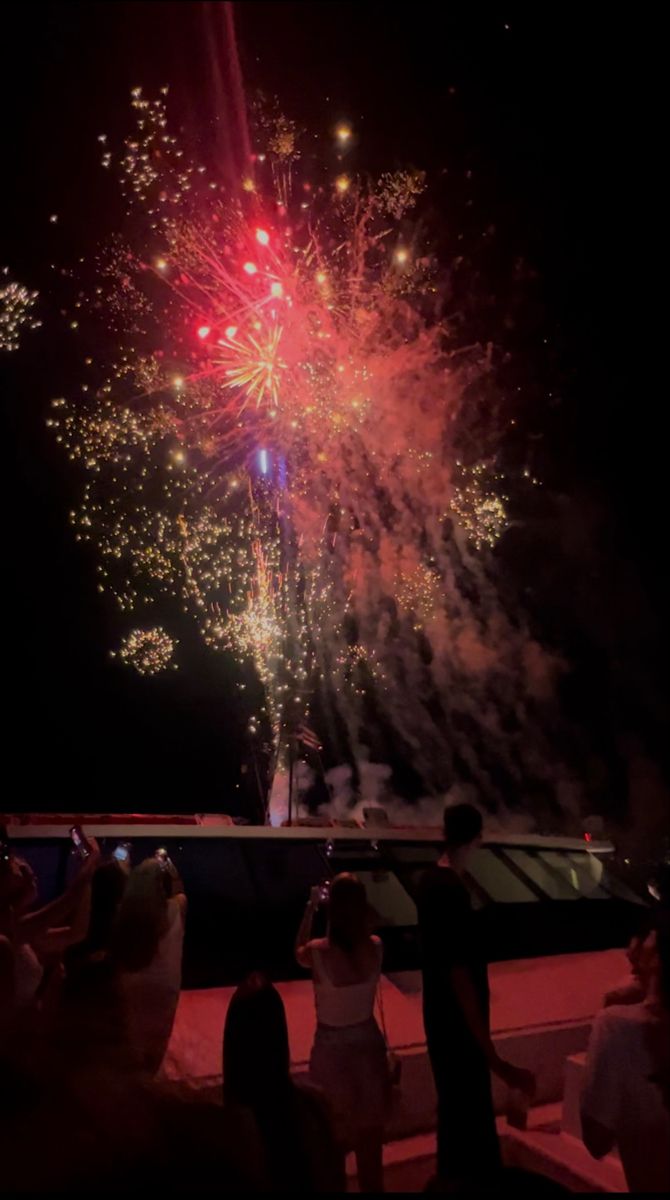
column 641, row 951
column 33, row 942
column 626, row 1096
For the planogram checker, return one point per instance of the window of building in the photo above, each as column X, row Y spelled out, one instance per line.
column 501, row 884
column 555, row 884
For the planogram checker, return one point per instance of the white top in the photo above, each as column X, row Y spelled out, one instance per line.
column 165, row 969
column 342, row 1005
column 619, row 1095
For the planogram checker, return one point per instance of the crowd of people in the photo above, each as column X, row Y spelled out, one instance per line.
column 89, row 986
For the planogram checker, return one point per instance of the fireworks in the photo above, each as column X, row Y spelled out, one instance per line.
column 268, row 448
column 258, row 366
column 16, row 305
column 418, row 593
column 480, row 510
column 149, row 651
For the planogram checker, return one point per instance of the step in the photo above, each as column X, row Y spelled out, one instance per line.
column 545, row 1147
column 409, row 1164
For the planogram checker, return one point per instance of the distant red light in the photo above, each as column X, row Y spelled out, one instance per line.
column 250, row 268
column 587, row 837
column 204, row 331
column 263, row 237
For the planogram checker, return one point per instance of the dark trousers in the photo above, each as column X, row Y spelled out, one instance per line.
column 467, row 1141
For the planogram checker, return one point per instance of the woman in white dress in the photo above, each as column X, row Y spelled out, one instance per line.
column 348, row 1059
column 147, row 948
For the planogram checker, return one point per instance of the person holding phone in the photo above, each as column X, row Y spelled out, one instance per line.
column 38, row 937
column 348, row 1061
column 147, row 947
column 121, row 855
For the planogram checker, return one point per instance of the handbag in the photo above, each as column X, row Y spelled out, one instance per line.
column 393, row 1060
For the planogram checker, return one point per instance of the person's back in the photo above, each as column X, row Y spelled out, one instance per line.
column 345, row 991
column 147, row 948
column 285, row 1143
column 456, row 1007
column 348, row 1060
column 448, row 937
column 278, row 1133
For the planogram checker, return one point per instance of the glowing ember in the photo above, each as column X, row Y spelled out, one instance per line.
column 16, row 305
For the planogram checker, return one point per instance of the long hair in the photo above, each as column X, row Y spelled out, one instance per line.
column 347, row 913
column 256, row 1057
column 107, row 890
column 142, row 917
column 257, row 1075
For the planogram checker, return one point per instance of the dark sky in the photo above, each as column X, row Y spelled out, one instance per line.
column 540, row 121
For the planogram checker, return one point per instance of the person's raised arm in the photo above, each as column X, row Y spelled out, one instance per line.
column 301, row 950
column 56, row 940
column 61, row 912
column 178, row 889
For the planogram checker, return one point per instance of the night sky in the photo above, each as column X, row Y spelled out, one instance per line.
column 540, row 135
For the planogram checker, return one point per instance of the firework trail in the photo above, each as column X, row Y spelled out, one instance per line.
column 275, row 447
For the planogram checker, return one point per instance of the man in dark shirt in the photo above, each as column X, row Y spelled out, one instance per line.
column 456, row 1008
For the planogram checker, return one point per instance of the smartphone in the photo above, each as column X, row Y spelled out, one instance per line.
column 122, row 853
column 79, row 841
column 324, row 892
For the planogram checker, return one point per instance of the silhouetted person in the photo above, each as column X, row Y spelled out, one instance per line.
column 281, row 1130
column 456, row 1008
column 641, row 950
